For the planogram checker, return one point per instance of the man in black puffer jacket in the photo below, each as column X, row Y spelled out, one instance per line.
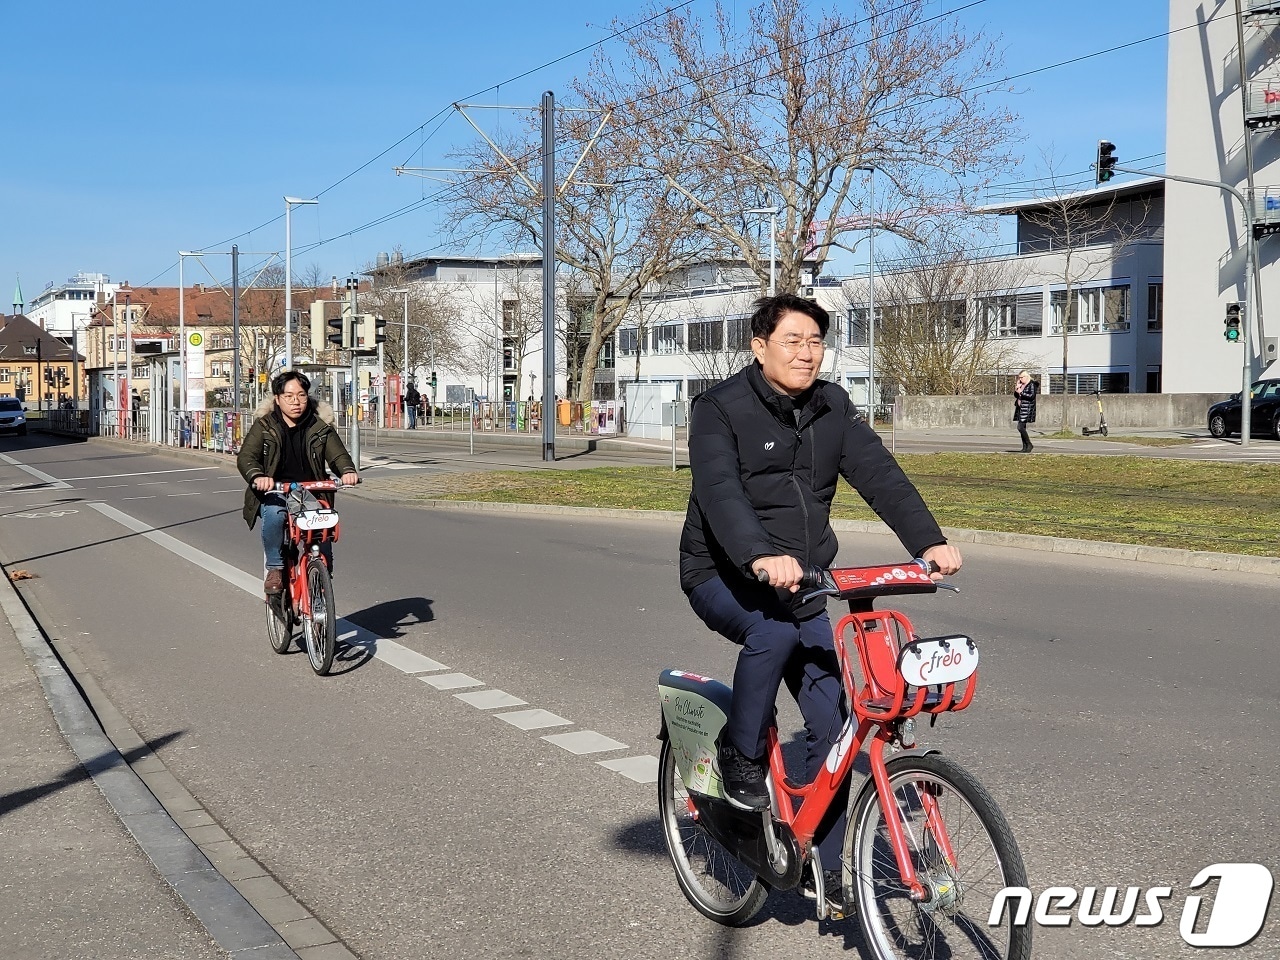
column 767, row 448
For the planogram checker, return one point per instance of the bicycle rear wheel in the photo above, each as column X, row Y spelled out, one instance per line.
column 321, row 628
column 279, row 623
column 953, row 923
column 711, row 878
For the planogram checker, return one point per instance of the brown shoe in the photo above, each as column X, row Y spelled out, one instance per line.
column 274, row 582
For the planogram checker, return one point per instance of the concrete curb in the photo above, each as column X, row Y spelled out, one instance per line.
column 1023, row 541
column 224, row 912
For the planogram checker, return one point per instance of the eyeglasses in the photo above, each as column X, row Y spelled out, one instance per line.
column 793, row 345
column 294, row 396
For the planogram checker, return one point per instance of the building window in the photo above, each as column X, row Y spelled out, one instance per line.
column 630, row 341
column 1155, row 309
column 1092, row 310
column 739, row 333
column 856, row 336
column 4, row 376
column 29, row 351
column 1011, row 315
column 510, row 317
column 667, row 338
column 698, row 384
column 604, row 361
column 508, row 358
column 706, row 336
column 1089, row 382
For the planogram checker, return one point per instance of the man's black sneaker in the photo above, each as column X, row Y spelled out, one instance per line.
column 744, row 779
column 833, row 882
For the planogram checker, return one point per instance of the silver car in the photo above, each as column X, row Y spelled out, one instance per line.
column 13, row 416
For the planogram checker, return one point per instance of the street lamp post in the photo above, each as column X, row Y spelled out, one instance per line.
column 289, row 204
column 773, row 246
column 871, row 291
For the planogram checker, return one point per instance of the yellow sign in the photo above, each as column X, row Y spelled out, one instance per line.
column 262, row 378
column 196, row 338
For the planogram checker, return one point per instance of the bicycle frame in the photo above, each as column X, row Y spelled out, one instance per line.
column 880, row 703
column 304, row 544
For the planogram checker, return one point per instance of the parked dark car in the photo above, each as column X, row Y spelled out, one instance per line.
column 1264, row 412
column 13, row 416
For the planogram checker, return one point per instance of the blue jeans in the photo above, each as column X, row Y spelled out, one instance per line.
column 777, row 647
column 272, row 513
column 274, row 516
column 412, row 411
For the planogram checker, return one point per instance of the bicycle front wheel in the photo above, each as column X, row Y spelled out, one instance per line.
column 712, row 879
column 321, row 628
column 940, row 807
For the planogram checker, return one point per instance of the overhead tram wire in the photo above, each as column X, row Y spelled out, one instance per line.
column 985, row 84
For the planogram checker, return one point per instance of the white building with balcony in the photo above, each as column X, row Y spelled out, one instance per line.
column 62, row 308
column 1218, row 132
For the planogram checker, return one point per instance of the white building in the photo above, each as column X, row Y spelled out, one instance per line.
column 1213, row 133
column 60, row 308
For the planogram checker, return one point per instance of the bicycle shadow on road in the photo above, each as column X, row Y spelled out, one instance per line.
column 390, row 619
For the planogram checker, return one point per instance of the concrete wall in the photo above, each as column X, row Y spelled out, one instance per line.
column 1151, row 410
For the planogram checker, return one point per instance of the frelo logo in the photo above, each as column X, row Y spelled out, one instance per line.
column 951, row 658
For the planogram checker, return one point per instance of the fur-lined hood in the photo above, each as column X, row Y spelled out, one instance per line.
column 323, row 409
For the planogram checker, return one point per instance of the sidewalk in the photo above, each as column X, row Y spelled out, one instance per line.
column 94, row 865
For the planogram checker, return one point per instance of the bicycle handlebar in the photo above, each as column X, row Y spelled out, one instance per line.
column 866, row 582
column 290, row 485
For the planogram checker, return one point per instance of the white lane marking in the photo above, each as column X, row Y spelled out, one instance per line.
column 585, row 741
column 193, row 493
column 218, row 568
column 145, row 473
column 112, row 486
column 639, row 769
column 451, row 681
column 642, row 769
column 54, row 482
column 37, row 516
column 149, row 483
column 533, row 719
column 148, row 497
column 406, row 660
column 488, row 699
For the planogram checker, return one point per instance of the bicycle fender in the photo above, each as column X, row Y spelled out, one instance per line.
column 869, row 784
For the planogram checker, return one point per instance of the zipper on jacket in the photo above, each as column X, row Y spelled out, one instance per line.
column 804, row 507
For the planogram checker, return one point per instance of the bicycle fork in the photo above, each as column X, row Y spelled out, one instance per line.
column 937, row 831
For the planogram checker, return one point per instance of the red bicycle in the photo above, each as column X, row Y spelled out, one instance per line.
column 307, row 598
column 926, row 850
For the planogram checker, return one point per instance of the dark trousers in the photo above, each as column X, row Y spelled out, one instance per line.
column 1022, row 429
column 775, row 648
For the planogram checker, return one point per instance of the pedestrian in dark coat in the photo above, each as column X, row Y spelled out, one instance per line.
column 1024, row 406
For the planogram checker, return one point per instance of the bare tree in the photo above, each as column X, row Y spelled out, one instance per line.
column 432, row 330
column 934, row 332
column 617, row 230
column 1089, row 232
column 783, row 111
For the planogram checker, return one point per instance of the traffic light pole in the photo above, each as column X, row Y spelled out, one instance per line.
column 1251, row 289
column 355, row 375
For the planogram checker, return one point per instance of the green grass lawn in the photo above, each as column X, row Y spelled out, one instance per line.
column 1192, row 505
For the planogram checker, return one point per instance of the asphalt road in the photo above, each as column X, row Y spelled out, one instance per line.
column 1126, row 720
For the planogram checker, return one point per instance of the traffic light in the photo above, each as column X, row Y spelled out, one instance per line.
column 379, row 330
column 1235, row 314
column 317, row 325
column 1104, row 169
column 433, row 379
column 340, row 330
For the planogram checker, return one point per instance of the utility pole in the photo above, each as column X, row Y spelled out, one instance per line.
column 39, row 373
column 353, row 284
column 235, row 329
column 548, row 276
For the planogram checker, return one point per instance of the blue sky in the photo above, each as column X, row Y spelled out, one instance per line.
column 139, row 129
